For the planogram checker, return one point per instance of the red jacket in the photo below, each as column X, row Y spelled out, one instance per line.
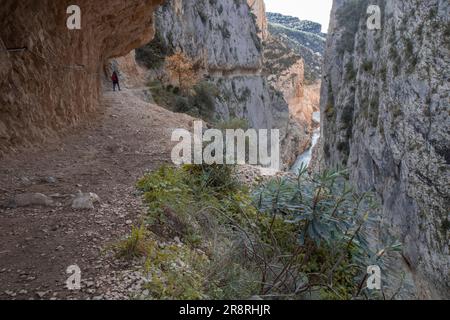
column 114, row 77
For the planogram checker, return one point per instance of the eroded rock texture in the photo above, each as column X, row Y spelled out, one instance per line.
column 220, row 34
column 53, row 80
column 258, row 8
column 222, row 38
column 285, row 72
column 130, row 73
column 385, row 114
column 304, row 38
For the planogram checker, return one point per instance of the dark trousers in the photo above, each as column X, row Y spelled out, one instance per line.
column 116, row 84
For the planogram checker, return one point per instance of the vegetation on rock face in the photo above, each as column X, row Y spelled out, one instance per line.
column 206, row 236
column 349, row 16
column 153, row 54
column 309, row 45
column 197, row 102
column 180, row 67
column 379, row 118
column 278, row 56
column 234, row 124
column 304, row 38
column 330, row 111
column 310, row 40
column 295, row 23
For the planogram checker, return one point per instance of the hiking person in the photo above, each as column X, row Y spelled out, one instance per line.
column 115, row 80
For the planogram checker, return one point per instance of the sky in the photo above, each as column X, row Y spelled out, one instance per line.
column 316, row 10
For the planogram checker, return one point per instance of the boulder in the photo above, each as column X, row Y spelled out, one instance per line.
column 85, row 201
column 30, row 199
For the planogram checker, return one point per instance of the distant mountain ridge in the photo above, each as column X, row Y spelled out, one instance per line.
column 304, row 37
column 296, row 23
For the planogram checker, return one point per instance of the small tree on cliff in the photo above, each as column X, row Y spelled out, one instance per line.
column 181, row 68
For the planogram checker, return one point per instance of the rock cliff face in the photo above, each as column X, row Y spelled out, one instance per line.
column 219, row 34
column 258, row 8
column 283, row 68
column 130, row 73
column 285, row 72
column 304, row 38
column 49, row 75
column 221, row 37
column 385, row 116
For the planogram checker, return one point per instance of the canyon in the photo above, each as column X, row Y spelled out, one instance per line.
column 57, row 107
column 382, row 96
column 232, row 50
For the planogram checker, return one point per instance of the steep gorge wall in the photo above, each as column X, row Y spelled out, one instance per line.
column 304, row 38
column 284, row 69
column 287, row 65
column 222, row 37
column 385, row 115
column 218, row 34
column 285, row 72
column 53, row 81
column 258, row 8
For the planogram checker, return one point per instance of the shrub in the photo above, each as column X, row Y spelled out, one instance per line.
column 209, row 204
column 172, row 274
column 286, row 238
column 343, row 147
column 153, row 54
column 234, row 123
column 347, row 116
column 383, row 73
column 198, row 102
column 409, row 48
column 367, row 66
column 162, row 96
column 217, row 179
column 134, row 246
column 329, row 218
column 182, row 104
column 350, row 73
column 329, row 109
column 203, row 99
column 180, row 66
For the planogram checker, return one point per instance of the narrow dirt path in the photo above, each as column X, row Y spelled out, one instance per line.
column 37, row 244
